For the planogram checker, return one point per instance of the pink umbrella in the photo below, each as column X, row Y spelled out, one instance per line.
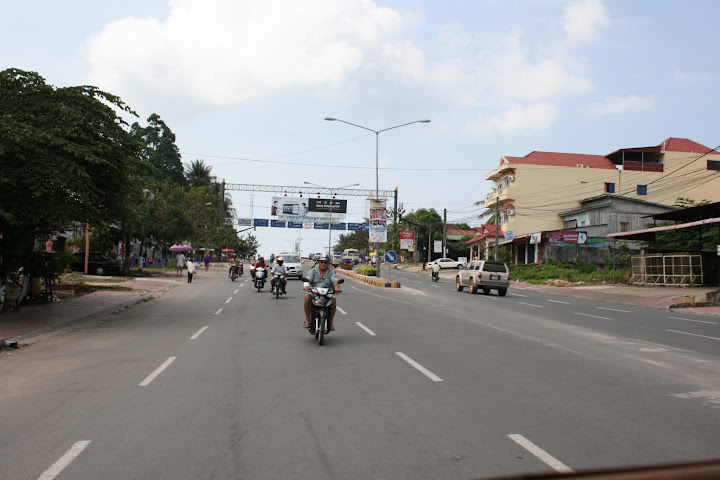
column 180, row 248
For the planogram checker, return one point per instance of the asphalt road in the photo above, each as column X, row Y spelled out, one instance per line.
column 218, row 381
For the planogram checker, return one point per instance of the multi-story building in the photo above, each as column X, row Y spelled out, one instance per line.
column 531, row 191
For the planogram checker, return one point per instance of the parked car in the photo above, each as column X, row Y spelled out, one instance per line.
column 484, row 274
column 293, row 263
column 98, row 264
column 447, row 263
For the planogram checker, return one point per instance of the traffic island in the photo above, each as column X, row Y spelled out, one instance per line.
column 377, row 282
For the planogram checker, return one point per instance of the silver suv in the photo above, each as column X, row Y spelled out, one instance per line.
column 293, row 264
column 484, row 274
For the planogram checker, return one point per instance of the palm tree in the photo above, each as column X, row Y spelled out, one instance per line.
column 198, row 174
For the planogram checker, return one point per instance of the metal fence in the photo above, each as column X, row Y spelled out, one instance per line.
column 672, row 269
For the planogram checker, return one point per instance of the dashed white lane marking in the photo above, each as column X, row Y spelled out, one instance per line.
column 228, row 300
column 199, row 332
column 370, row 332
column 558, row 301
column 418, row 281
column 157, row 372
column 530, row 304
column 613, row 309
column 594, row 316
column 236, row 290
column 342, row 311
column 694, row 334
column 540, row 453
column 65, row 460
column 691, row 320
column 218, row 312
column 419, row 367
column 517, row 295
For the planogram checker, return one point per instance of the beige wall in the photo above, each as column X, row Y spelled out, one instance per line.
column 539, row 192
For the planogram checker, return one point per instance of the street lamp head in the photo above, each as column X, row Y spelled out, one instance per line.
column 330, row 119
column 424, row 121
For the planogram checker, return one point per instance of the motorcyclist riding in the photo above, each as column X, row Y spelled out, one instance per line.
column 280, row 270
column 259, row 263
column 435, row 270
column 234, row 263
column 321, row 275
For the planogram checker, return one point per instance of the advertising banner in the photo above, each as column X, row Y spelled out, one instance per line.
column 378, row 221
column 572, row 238
column 437, row 246
column 535, row 238
column 299, row 209
column 244, row 222
column 407, row 239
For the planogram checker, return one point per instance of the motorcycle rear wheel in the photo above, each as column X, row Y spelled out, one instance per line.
column 321, row 330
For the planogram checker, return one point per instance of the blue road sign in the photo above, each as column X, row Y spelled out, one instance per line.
column 390, row 256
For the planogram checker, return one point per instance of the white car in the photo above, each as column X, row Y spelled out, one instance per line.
column 447, row 263
column 293, row 263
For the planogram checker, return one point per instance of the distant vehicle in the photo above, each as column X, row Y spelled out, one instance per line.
column 351, row 255
column 337, row 257
column 484, row 274
column 447, row 263
column 293, row 263
column 98, row 264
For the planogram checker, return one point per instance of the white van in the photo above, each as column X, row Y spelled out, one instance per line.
column 352, row 255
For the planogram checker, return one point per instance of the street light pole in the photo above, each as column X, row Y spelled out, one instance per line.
column 377, row 159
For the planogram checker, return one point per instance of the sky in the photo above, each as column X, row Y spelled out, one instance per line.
column 246, row 86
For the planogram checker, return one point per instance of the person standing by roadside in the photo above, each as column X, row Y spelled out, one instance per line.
column 180, row 264
column 191, row 270
column 206, row 260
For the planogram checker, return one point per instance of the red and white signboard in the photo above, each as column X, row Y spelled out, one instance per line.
column 407, row 239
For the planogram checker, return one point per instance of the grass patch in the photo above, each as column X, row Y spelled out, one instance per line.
column 567, row 274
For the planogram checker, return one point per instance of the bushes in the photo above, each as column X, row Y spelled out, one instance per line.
column 580, row 273
column 368, row 271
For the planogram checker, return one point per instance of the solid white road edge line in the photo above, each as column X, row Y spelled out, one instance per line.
column 613, row 309
column 370, row 332
column 65, row 460
column 690, row 320
column 199, row 332
column 693, row 334
column 219, row 310
column 558, row 301
column 419, row 367
column 540, row 453
column 594, row 316
column 530, row 304
column 228, row 300
column 157, row 372
column 342, row 311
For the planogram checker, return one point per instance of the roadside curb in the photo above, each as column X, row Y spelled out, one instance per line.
column 115, row 309
column 377, row 282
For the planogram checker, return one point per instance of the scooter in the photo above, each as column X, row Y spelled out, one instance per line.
column 233, row 273
column 259, row 278
column 322, row 302
column 435, row 276
column 277, row 285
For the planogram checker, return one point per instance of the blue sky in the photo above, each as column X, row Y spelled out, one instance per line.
column 239, row 81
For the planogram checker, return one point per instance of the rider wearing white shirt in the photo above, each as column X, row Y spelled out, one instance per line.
column 280, row 270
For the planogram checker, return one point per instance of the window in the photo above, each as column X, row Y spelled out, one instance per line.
column 571, row 223
column 642, row 189
column 624, row 226
column 609, row 187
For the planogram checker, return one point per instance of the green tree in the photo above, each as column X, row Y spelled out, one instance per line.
column 65, row 156
column 199, row 175
column 248, row 246
column 358, row 239
column 159, row 149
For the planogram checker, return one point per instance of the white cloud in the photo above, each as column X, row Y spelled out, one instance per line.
column 621, row 105
column 584, row 19
column 517, row 118
column 226, row 51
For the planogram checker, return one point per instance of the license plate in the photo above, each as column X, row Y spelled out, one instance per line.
column 493, row 277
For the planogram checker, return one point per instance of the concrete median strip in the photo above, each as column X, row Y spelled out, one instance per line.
column 377, row 282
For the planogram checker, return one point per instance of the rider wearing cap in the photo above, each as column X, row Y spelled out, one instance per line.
column 324, row 276
column 234, row 262
column 280, row 270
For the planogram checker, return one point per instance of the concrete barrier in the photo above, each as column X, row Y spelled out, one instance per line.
column 377, row 282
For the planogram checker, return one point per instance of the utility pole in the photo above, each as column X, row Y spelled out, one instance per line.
column 497, row 225
column 444, row 252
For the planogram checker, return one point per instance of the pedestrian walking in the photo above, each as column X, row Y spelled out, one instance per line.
column 206, row 259
column 180, row 264
column 191, row 270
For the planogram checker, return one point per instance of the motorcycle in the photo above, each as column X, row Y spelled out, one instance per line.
column 435, row 276
column 277, row 285
column 259, row 278
column 233, row 273
column 322, row 302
